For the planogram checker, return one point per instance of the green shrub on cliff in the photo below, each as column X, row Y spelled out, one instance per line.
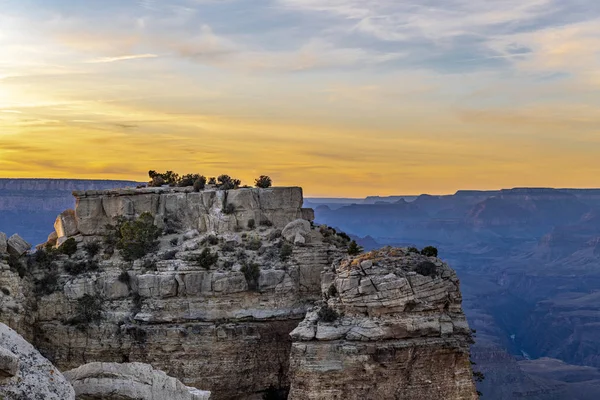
column 430, row 251
column 89, row 309
column 69, row 247
column 426, row 268
column 327, row 314
column 138, row 237
column 252, row 274
column 206, row 259
column 354, row 249
column 263, row 182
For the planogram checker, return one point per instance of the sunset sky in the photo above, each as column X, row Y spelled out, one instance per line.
column 345, row 98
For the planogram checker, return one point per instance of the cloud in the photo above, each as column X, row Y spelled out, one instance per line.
column 121, row 58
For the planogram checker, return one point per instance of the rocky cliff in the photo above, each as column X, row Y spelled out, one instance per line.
column 214, row 301
column 392, row 327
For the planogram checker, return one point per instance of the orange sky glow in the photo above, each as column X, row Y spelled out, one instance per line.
column 342, row 98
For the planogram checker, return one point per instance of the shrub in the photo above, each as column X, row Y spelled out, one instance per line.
column 413, row 250
column 212, row 180
column 225, row 182
column 430, row 251
column 251, row 273
column 254, row 243
column 91, row 248
column 47, row 284
column 327, row 314
column 69, row 247
column 251, row 224
column 78, row 267
column 211, row 239
column 191, row 179
column 167, row 178
column 89, row 309
column 263, row 182
column 5, row 291
column 149, row 265
column 228, row 247
column 124, row 278
column 205, row 259
column 332, row 291
column 169, row 255
column 139, row 335
column 266, row 222
column 286, row 251
column 354, row 249
column 16, row 265
column 228, row 208
column 138, row 237
column 199, row 183
column 274, row 235
column 426, row 268
column 344, row 236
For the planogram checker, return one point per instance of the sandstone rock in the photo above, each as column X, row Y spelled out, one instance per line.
column 393, row 334
column 52, row 239
column 35, row 377
column 3, row 243
column 135, row 381
column 297, row 231
column 66, row 224
column 17, row 245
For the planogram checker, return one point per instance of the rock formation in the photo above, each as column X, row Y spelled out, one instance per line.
column 392, row 327
column 26, row 374
column 213, row 301
column 131, row 381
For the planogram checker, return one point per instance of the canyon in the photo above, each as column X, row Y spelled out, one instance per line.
column 225, row 298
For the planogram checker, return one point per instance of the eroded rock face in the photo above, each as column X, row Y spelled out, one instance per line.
column 66, row 224
column 223, row 325
column 134, row 381
column 187, row 209
column 385, row 332
column 26, row 374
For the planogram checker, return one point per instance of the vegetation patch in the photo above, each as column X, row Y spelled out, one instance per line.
column 286, row 251
column 263, row 182
column 430, row 251
column 134, row 238
column 92, row 248
column 206, row 259
column 69, row 247
column 327, row 314
column 426, row 268
column 354, row 249
column 251, row 272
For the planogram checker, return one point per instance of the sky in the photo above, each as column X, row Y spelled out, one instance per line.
column 344, row 98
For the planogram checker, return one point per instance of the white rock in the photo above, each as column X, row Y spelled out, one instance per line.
column 299, row 227
column 36, row 377
column 135, row 381
column 9, row 363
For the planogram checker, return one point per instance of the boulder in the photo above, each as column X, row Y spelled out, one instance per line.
column 3, row 243
column 112, row 381
column 66, row 224
column 9, row 363
column 17, row 246
column 52, row 239
column 26, row 374
column 297, row 231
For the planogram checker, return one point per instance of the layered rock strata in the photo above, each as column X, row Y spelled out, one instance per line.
column 391, row 327
column 223, row 325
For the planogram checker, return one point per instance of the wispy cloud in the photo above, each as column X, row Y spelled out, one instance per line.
column 120, row 58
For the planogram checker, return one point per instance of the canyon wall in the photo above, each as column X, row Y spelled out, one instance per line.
column 213, row 304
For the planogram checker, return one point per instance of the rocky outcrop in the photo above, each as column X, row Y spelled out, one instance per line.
column 214, row 301
column 25, row 374
column 17, row 246
column 219, row 323
column 111, row 381
column 210, row 210
column 392, row 327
